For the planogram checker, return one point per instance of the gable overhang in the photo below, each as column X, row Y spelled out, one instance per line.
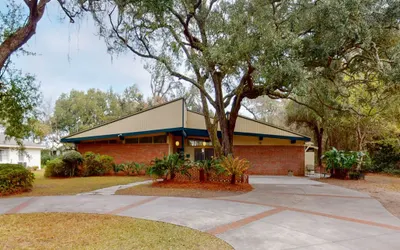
column 99, row 137
column 204, row 133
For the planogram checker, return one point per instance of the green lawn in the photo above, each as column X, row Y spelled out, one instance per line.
column 69, row 186
column 91, row 231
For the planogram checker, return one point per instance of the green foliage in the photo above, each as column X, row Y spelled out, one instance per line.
column 169, row 166
column 132, row 168
column 234, row 166
column 96, row 164
column 100, row 107
column 19, row 98
column 72, row 159
column 340, row 162
column 385, row 157
column 15, row 178
column 55, row 168
column 45, row 157
column 208, row 167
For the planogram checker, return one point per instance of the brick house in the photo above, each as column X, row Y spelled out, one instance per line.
column 170, row 128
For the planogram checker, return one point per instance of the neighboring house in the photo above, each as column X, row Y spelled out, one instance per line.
column 10, row 153
column 170, row 128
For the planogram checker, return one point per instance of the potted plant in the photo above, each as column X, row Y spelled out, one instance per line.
column 290, row 172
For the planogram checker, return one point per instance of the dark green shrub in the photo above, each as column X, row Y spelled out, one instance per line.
column 55, row 168
column 385, row 157
column 95, row 164
column 46, row 156
column 169, row 166
column 72, row 159
column 15, row 178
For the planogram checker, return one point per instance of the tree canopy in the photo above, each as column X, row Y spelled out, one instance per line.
column 236, row 50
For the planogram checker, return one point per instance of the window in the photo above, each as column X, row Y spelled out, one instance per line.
column 21, row 156
column 146, row 140
column 132, row 141
column 160, row 139
column 199, row 143
column 3, row 155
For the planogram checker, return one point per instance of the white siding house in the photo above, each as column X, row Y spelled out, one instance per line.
column 10, row 152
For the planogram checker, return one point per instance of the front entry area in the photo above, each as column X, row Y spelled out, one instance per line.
column 201, row 154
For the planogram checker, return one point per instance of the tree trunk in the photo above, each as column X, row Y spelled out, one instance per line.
column 211, row 127
column 201, row 174
column 319, row 132
column 233, row 179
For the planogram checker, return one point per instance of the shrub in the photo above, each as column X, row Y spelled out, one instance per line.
column 341, row 162
column 208, row 167
column 72, row 159
column 132, row 168
column 169, row 166
column 46, row 156
column 107, row 163
column 95, row 164
column 234, row 166
column 55, row 168
column 15, row 178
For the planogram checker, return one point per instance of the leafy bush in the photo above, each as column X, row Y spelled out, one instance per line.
column 234, row 166
column 340, row 162
column 15, row 178
column 72, row 159
column 208, row 167
column 46, row 156
column 169, row 166
column 392, row 171
column 55, row 168
column 132, row 168
column 95, row 164
column 385, row 157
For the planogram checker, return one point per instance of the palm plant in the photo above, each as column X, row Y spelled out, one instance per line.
column 207, row 167
column 234, row 166
column 169, row 166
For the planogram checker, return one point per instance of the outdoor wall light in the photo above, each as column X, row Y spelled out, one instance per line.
column 204, row 143
column 177, row 143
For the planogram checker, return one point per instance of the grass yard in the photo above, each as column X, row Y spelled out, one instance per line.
column 187, row 189
column 69, row 186
column 90, row 231
column 384, row 188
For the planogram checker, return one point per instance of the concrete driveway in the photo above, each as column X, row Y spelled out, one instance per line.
column 281, row 213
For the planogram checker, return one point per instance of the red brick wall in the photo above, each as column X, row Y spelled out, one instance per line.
column 272, row 160
column 142, row 153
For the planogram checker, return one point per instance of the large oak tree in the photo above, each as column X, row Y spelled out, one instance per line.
column 232, row 50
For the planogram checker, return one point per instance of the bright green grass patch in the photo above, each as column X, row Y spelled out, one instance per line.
column 69, row 186
column 90, row 231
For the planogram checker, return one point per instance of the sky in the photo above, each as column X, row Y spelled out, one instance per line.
column 71, row 56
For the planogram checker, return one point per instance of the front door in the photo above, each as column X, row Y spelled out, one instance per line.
column 201, row 154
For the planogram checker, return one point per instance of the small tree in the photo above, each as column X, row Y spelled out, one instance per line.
column 234, row 166
column 72, row 159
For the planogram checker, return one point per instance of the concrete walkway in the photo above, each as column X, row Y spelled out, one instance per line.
column 112, row 190
column 281, row 213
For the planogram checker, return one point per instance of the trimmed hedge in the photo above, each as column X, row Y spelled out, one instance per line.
column 15, row 178
column 96, row 164
column 55, row 168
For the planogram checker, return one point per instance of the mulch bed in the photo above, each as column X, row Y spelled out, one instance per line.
column 187, row 189
column 209, row 186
